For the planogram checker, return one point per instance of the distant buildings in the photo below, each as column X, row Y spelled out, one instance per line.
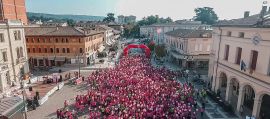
column 13, row 10
column 240, row 63
column 126, row 19
column 189, row 48
column 157, row 31
column 55, row 46
column 13, row 55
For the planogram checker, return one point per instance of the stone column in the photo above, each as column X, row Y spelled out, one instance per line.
column 240, row 98
column 44, row 62
column 228, row 90
column 49, row 62
column 257, row 106
column 37, row 62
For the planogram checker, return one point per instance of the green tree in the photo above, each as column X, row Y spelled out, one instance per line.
column 206, row 15
column 160, row 51
column 151, row 46
column 109, row 18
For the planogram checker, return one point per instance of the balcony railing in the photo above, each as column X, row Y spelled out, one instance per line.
column 3, row 67
column 20, row 60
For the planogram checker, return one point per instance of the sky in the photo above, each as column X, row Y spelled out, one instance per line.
column 176, row 9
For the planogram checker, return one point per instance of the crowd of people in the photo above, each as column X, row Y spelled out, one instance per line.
column 136, row 89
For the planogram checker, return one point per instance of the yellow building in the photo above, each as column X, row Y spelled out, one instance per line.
column 55, row 46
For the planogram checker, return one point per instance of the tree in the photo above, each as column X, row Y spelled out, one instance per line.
column 151, row 46
column 160, row 51
column 109, row 18
column 206, row 15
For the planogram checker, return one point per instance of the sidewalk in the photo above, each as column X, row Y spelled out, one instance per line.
column 210, row 105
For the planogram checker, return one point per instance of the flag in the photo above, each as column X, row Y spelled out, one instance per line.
column 243, row 66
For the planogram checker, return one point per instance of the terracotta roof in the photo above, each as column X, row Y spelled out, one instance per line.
column 59, row 31
column 105, row 27
column 189, row 33
column 52, row 31
column 251, row 21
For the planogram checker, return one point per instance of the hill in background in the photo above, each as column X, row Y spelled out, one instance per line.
column 34, row 16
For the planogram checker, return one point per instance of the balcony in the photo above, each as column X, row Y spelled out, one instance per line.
column 20, row 60
column 3, row 67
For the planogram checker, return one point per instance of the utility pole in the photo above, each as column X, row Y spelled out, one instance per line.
column 23, row 92
column 79, row 65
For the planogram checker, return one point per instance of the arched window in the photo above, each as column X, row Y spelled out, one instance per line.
column 51, row 50
column 64, row 50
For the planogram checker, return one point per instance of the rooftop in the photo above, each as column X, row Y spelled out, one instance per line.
column 190, row 33
column 258, row 20
column 57, row 31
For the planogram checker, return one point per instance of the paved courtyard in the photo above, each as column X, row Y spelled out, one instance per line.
column 56, row 101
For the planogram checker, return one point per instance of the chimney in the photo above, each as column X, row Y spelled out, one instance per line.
column 246, row 14
column 263, row 12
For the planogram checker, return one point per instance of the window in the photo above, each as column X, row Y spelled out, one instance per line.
column 56, row 40
column 17, row 35
column 45, row 50
column 27, row 40
column 51, row 50
column 208, row 48
column 57, row 50
column 2, row 37
column 44, row 40
column 39, row 50
column 241, row 34
column 63, row 40
column 254, row 56
column 66, row 40
column 5, row 58
column 33, row 40
column 226, row 54
column 201, row 47
column 81, row 50
column 28, row 50
column 21, row 51
column 238, row 55
column 34, row 50
column 64, row 50
column 18, row 53
column 79, row 40
column 229, row 33
column 196, row 47
column 68, row 50
column 38, row 40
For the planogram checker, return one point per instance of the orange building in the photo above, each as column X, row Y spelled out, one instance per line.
column 13, row 10
column 55, row 46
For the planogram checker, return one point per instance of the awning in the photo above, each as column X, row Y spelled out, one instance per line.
column 101, row 48
column 11, row 106
column 60, row 59
column 38, row 58
column 51, row 58
column 177, row 56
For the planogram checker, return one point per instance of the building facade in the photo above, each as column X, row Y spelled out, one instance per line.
column 157, row 31
column 13, row 10
column 108, row 34
column 13, row 59
column 188, row 48
column 240, row 64
column 55, row 46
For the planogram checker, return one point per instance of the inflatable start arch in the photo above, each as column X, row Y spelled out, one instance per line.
column 146, row 49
